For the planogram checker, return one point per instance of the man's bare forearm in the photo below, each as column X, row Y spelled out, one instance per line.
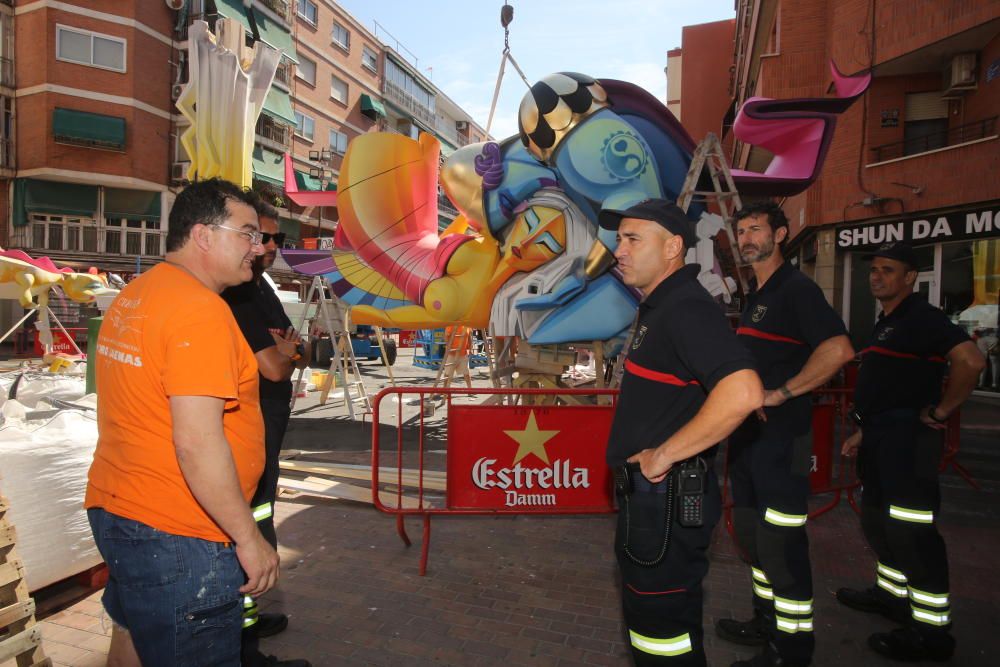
column 966, row 363
column 207, row 464
column 828, row 358
column 727, row 405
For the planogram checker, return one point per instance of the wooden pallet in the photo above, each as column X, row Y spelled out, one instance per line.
column 20, row 637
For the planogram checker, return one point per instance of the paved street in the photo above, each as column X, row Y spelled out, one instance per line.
column 542, row 590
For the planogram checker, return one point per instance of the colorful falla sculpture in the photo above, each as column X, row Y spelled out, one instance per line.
column 525, row 256
column 29, row 280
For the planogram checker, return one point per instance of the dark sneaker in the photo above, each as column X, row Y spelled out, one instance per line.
column 754, row 632
column 269, row 625
column 873, row 601
column 908, row 645
column 272, row 661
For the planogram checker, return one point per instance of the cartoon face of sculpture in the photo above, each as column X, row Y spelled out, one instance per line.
column 538, row 267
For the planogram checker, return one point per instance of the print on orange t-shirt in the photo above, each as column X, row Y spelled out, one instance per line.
column 167, row 335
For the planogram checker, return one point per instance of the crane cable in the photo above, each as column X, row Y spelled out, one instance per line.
column 506, row 17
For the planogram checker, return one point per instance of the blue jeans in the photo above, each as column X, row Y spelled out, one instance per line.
column 177, row 596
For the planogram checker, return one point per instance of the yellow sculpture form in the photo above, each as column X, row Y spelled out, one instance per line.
column 222, row 100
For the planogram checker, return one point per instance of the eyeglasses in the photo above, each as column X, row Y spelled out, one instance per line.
column 255, row 237
column 266, row 237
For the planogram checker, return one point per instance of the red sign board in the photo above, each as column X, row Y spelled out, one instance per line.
column 525, row 459
column 61, row 343
column 821, row 470
column 407, row 338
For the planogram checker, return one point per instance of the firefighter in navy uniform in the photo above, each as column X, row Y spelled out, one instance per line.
column 688, row 382
column 901, row 411
column 798, row 343
column 278, row 351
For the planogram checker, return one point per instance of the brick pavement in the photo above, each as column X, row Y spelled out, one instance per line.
column 542, row 590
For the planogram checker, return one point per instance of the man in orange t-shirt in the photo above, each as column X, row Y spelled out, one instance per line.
column 457, row 355
column 181, row 444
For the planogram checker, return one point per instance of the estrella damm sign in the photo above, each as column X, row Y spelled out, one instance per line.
column 529, row 458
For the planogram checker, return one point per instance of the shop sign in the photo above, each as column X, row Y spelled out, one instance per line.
column 923, row 230
column 529, row 458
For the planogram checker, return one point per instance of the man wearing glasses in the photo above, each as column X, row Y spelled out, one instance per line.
column 181, row 448
column 279, row 351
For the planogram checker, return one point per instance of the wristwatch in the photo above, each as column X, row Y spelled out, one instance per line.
column 300, row 350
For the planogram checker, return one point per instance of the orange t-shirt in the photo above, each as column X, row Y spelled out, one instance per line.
column 460, row 340
column 167, row 335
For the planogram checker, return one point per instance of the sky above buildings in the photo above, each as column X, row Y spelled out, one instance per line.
column 461, row 42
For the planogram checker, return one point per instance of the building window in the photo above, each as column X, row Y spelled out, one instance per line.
column 338, row 142
column 306, row 9
column 338, row 89
column 7, row 132
column 369, row 59
column 403, row 86
column 304, row 125
column 90, row 48
column 925, row 124
column 306, row 70
column 118, row 237
column 341, row 36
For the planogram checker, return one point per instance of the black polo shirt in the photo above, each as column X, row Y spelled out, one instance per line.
column 682, row 348
column 258, row 312
column 781, row 325
column 903, row 365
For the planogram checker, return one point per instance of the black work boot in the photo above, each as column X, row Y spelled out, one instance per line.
column 269, row 625
column 272, row 661
column 908, row 645
column 874, row 601
column 754, row 632
column 769, row 657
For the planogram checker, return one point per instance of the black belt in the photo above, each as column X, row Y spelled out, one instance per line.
column 639, row 484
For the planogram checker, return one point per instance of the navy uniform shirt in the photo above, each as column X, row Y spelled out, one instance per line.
column 682, row 347
column 258, row 312
column 783, row 322
column 903, row 366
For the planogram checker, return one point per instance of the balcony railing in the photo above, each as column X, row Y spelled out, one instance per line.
column 280, row 7
column 7, row 72
column 445, row 206
column 274, row 132
column 408, row 102
column 283, row 74
column 63, row 234
column 931, row 142
column 448, row 131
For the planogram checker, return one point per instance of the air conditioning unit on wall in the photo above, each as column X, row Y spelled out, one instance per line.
column 959, row 75
column 461, row 125
column 179, row 172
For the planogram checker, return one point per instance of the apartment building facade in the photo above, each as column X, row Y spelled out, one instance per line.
column 698, row 77
column 87, row 120
column 914, row 159
column 89, row 150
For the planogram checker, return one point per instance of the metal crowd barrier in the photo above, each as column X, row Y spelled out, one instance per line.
column 516, row 452
column 562, row 448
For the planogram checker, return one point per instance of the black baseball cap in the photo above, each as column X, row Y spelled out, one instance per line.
column 661, row 211
column 900, row 251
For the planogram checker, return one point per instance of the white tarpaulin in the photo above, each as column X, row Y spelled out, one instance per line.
column 43, row 473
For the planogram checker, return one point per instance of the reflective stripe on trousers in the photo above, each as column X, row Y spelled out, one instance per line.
column 250, row 611
column 669, row 646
